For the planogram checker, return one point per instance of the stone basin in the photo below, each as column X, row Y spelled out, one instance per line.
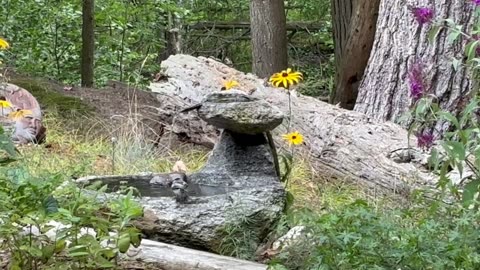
column 238, row 187
column 147, row 189
column 237, row 194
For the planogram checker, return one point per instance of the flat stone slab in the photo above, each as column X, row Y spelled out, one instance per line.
column 236, row 111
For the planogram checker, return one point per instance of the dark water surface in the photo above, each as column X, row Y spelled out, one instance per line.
column 154, row 190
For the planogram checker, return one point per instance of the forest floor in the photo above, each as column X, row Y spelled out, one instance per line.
column 80, row 123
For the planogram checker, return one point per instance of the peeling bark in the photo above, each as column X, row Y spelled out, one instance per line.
column 354, row 31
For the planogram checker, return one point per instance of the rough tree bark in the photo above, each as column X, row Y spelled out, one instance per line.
column 354, row 30
column 173, row 36
column 340, row 144
column 269, row 37
column 88, row 42
column 399, row 42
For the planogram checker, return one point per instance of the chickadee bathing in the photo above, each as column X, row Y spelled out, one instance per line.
column 179, row 188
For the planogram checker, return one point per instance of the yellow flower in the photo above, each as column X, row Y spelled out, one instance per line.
column 229, row 85
column 286, row 78
column 19, row 114
column 4, row 44
column 293, row 138
column 5, row 104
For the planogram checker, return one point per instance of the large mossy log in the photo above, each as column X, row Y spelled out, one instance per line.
column 340, row 144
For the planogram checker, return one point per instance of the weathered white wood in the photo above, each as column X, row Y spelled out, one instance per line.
column 340, row 143
column 170, row 257
column 166, row 256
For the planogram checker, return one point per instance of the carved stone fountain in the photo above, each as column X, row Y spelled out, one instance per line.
column 239, row 185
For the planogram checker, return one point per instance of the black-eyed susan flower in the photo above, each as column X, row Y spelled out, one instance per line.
column 5, row 104
column 293, row 138
column 286, row 78
column 4, row 44
column 20, row 114
column 229, row 84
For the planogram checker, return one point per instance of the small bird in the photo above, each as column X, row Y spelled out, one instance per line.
column 179, row 187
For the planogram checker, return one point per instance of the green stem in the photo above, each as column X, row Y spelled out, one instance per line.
column 289, row 111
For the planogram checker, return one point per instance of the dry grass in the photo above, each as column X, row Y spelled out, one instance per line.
column 80, row 152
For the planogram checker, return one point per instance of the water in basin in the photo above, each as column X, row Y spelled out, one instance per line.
column 152, row 190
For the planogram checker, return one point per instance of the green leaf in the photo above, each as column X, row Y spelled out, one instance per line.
column 135, row 237
column 32, row 250
column 453, row 36
column 48, row 251
column 50, row 205
column 60, row 246
column 78, row 254
column 433, row 33
column 456, row 63
column 469, row 192
column 456, row 152
column 123, row 242
column 471, row 49
column 103, row 263
column 450, row 118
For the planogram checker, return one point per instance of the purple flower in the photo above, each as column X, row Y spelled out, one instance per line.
column 415, row 76
column 423, row 15
column 425, row 140
column 476, row 2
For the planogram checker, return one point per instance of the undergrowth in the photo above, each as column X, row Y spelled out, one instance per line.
column 76, row 153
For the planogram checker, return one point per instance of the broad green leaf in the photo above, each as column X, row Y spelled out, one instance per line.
column 453, row 36
column 50, row 205
column 48, row 251
column 456, row 63
column 455, row 149
column 78, row 254
column 469, row 192
column 471, row 49
column 433, row 33
column 450, row 118
column 123, row 242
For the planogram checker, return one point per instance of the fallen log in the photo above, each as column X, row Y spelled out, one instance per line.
column 291, row 26
column 170, row 257
column 341, row 144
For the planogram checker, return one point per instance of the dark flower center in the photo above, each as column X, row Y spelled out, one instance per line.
column 294, row 137
column 284, row 74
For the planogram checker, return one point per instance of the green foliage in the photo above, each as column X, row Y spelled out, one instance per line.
column 46, row 40
column 360, row 237
column 239, row 238
column 7, row 148
column 319, row 81
column 45, row 220
column 31, row 205
column 131, row 36
column 458, row 144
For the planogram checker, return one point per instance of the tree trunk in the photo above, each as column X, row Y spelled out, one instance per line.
column 173, row 36
column 354, row 30
column 88, row 42
column 341, row 16
column 269, row 37
column 384, row 93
